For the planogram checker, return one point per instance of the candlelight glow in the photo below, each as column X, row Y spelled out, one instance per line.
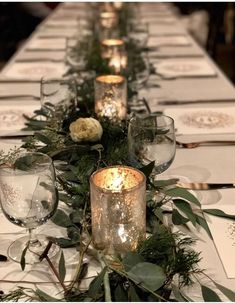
column 118, row 208
column 111, row 79
column 118, row 178
column 112, row 42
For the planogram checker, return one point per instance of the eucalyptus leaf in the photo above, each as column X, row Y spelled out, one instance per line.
column 45, row 297
column 65, row 243
column 73, row 233
column 184, row 194
column 120, row 294
column 43, row 138
column 219, row 213
column 177, row 294
column 203, row 223
column 147, row 169
column 22, row 259
column 209, row 295
column 133, row 296
column 61, row 218
column 62, row 269
column 148, row 275
column 186, row 208
column 131, row 259
column 96, row 284
column 227, row 292
column 177, row 218
column 165, row 183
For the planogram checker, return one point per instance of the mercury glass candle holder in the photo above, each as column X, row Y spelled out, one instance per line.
column 111, row 46
column 118, row 209
column 108, row 19
column 111, row 97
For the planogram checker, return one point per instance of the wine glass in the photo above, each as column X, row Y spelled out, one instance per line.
column 152, row 138
column 29, row 198
column 76, row 50
column 56, row 90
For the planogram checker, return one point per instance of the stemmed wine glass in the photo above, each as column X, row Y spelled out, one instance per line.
column 152, row 138
column 56, row 90
column 29, row 199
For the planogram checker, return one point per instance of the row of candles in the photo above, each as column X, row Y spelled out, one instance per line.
column 118, row 192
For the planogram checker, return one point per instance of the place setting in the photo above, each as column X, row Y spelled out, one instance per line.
column 187, row 67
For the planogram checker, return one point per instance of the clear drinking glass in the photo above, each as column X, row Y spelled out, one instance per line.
column 139, row 31
column 29, row 199
column 152, row 139
column 76, row 50
column 56, row 90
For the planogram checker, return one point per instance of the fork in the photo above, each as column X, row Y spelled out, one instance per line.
column 199, row 143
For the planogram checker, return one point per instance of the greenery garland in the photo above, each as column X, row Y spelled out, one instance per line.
column 165, row 261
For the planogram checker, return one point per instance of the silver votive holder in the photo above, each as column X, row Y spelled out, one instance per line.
column 118, row 209
column 111, row 97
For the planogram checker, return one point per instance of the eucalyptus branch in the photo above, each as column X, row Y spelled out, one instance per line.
column 107, row 291
column 79, row 266
column 44, row 255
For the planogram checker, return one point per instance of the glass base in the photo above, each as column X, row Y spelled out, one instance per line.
column 34, row 250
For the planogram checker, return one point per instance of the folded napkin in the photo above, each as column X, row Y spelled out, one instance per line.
column 216, row 120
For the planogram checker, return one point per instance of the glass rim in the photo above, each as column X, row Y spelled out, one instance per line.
column 109, row 191
column 139, row 125
column 3, row 167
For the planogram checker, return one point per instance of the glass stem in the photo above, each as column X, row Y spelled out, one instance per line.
column 33, row 241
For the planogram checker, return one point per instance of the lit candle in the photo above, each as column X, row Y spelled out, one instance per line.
column 108, row 19
column 118, row 5
column 110, row 46
column 111, row 97
column 118, row 208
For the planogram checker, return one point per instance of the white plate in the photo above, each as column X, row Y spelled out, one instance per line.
column 216, row 120
column 12, row 121
column 187, row 67
column 34, row 70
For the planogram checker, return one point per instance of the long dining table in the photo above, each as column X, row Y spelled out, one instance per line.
column 199, row 98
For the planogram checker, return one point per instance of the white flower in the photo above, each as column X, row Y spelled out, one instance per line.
column 85, row 129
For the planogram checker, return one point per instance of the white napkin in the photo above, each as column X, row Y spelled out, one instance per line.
column 216, row 120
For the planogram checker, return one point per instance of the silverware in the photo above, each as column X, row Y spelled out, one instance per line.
column 44, row 49
column 39, row 60
column 205, row 142
column 183, row 102
column 205, row 186
column 26, row 96
column 20, row 136
column 7, row 80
